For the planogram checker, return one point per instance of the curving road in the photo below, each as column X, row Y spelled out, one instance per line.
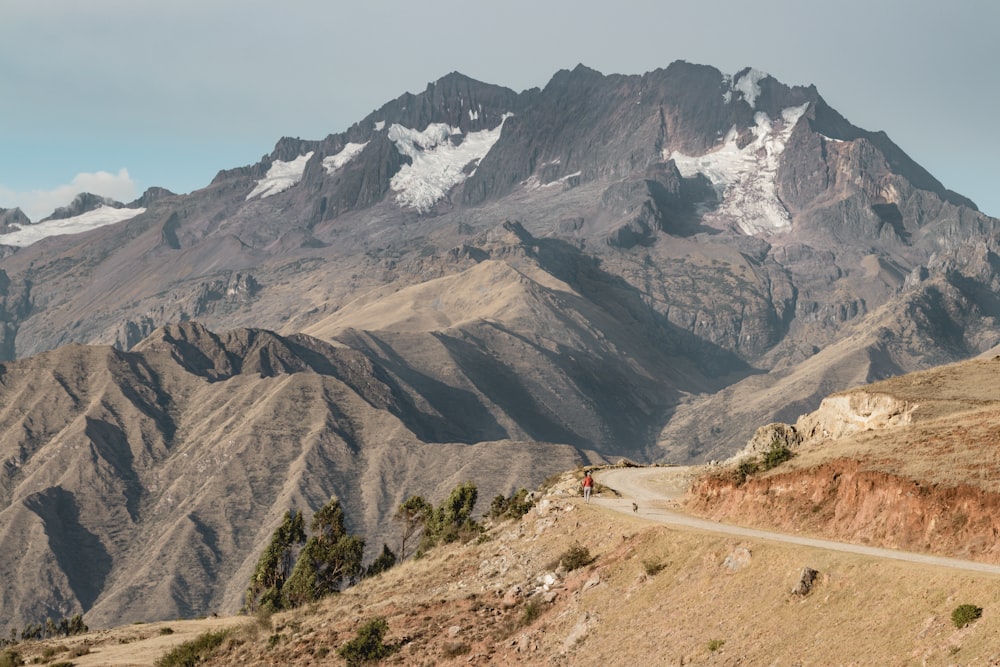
column 656, row 491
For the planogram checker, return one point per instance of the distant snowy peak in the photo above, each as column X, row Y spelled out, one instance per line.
column 441, row 158
column 281, row 176
column 99, row 217
column 744, row 177
column 82, row 203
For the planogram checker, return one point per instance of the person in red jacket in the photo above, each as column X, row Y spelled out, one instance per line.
column 588, row 486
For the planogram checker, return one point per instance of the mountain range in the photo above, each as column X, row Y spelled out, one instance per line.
column 469, row 283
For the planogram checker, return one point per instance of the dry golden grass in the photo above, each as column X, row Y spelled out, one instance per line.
column 700, row 608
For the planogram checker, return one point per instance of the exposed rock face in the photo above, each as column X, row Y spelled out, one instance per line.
column 767, row 436
column 83, row 203
column 857, row 411
column 841, row 500
column 12, row 218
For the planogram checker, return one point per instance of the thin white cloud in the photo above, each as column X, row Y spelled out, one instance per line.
column 38, row 204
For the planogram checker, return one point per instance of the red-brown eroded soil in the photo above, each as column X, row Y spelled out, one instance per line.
column 842, row 500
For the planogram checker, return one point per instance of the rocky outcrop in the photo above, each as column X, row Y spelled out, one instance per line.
column 856, row 411
column 11, row 219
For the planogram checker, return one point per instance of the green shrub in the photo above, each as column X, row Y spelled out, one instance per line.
column 166, row 630
column 455, row 649
column 715, row 644
column 514, row 507
column 744, row 469
column 195, row 651
column 776, row 454
column 385, row 561
column 368, row 645
column 532, row 610
column 964, row 614
column 10, row 658
column 575, row 557
column 652, row 566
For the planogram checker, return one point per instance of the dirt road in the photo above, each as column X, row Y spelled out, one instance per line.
column 656, row 492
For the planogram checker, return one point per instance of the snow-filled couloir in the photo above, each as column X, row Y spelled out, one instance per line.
column 744, row 178
column 441, row 158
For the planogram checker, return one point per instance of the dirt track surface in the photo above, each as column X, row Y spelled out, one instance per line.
column 657, row 490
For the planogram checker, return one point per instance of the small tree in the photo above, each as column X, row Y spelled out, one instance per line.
column 514, row 507
column 385, row 560
column 452, row 519
column 414, row 515
column 76, row 626
column 330, row 558
column 275, row 564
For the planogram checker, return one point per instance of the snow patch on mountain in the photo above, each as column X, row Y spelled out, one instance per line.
column 281, row 176
column 535, row 183
column 744, row 178
column 749, row 85
column 332, row 163
column 99, row 217
column 441, row 158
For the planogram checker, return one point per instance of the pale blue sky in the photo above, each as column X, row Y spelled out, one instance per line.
column 114, row 96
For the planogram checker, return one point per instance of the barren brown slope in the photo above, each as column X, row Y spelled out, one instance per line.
column 912, row 462
column 547, row 362
column 651, row 595
column 929, row 323
column 142, row 485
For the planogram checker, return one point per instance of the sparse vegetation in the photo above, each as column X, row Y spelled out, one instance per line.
column 777, row 453
column 715, row 644
column 455, row 649
column 64, row 628
column 450, row 522
column 965, row 614
column 10, row 658
column 330, row 558
column 368, row 645
column 195, row 651
column 575, row 557
column 513, row 507
column 414, row 514
column 385, row 560
column 652, row 566
column 275, row 565
column 532, row 610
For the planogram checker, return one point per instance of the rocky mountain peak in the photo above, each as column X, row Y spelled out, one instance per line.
column 12, row 218
column 82, row 203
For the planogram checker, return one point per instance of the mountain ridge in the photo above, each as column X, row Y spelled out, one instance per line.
column 641, row 266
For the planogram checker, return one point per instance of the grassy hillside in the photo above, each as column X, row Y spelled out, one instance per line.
column 651, row 595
